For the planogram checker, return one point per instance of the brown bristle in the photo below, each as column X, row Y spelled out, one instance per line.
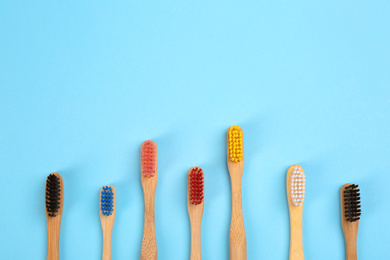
column 196, row 186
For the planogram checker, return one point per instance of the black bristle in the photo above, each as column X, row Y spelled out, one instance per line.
column 53, row 195
column 352, row 203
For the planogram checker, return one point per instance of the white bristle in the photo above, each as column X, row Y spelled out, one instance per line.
column 297, row 186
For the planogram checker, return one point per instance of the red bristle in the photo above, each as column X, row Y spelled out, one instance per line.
column 196, row 186
column 148, row 158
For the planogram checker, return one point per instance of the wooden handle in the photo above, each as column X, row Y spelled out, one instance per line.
column 350, row 247
column 296, row 247
column 195, row 241
column 53, row 238
column 149, row 244
column 107, row 234
column 237, row 241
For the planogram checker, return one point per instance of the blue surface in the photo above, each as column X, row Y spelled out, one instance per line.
column 83, row 84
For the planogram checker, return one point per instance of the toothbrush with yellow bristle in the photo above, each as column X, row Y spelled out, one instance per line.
column 149, row 184
column 295, row 195
column 235, row 162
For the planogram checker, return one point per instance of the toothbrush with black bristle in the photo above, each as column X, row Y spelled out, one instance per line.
column 350, row 216
column 107, row 217
column 54, row 200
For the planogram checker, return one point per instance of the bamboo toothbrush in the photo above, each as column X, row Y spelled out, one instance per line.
column 295, row 196
column 235, row 163
column 350, row 215
column 149, row 183
column 107, row 217
column 195, row 204
column 54, row 204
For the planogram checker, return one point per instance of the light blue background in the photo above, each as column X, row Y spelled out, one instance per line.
column 83, row 84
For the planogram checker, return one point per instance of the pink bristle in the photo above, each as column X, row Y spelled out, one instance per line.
column 148, row 158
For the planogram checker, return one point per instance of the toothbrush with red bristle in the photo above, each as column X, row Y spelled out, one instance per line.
column 195, row 204
column 149, row 184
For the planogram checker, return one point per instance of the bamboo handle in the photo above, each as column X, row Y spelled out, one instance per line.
column 149, row 244
column 237, row 241
column 53, row 241
column 296, row 247
column 195, row 241
column 107, row 244
column 350, row 246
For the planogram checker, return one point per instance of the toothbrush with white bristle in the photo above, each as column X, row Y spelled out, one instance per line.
column 296, row 184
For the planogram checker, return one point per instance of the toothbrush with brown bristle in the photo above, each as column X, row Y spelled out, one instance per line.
column 149, row 184
column 195, row 204
column 54, row 200
column 235, row 162
column 107, row 217
column 350, row 216
column 295, row 196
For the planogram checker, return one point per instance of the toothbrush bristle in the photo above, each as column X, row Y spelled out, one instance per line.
column 148, row 158
column 297, row 186
column 53, row 195
column 352, row 203
column 107, row 201
column 235, row 144
column 196, row 185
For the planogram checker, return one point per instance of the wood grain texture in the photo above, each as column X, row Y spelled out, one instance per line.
column 296, row 246
column 107, row 226
column 149, row 243
column 350, row 229
column 237, row 237
column 195, row 213
column 54, row 225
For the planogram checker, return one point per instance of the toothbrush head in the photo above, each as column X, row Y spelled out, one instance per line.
column 235, row 144
column 196, row 185
column 149, row 158
column 107, row 200
column 53, row 195
column 351, row 207
column 296, row 185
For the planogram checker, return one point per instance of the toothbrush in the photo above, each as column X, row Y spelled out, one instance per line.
column 54, row 204
column 107, row 217
column 295, row 196
column 195, row 204
column 149, row 183
column 235, row 163
column 350, row 215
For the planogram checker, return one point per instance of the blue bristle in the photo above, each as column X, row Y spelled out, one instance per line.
column 106, row 201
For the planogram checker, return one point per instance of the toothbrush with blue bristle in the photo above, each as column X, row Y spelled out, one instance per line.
column 107, row 217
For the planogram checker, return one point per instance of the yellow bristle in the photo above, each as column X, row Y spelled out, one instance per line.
column 235, row 144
